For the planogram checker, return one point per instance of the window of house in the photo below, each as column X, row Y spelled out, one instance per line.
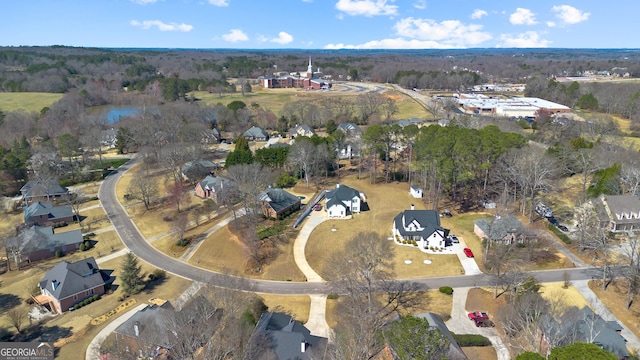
column 75, row 297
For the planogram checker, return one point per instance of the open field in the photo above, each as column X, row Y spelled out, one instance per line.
column 274, row 99
column 385, row 202
column 296, row 306
column 27, row 101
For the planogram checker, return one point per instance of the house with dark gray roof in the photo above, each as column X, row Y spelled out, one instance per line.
column 216, row 188
column 37, row 243
column 583, row 325
column 343, row 201
column 70, row 283
column 256, row 133
column 411, row 121
column 436, row 322
column 46, row 190
column 507, row 229
column 44, row 214
column 290, row 340
column 421, row 226
column 277, row 203
column 210, row 136
column 616, row 213
column 196, row 169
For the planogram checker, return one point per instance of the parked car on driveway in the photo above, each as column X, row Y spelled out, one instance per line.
column 468, row 252
column 317, row 207
column 563, row 228
column 478, row 315
column 454, row 239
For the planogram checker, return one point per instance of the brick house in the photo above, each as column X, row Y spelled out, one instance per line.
column 278, row 203
column 216, row 188
column 507, row 229
column 45, row 214
column 45, row 190
column 41, row 242
column 70, row 283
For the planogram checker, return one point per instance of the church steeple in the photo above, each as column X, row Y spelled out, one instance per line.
column 310, row 69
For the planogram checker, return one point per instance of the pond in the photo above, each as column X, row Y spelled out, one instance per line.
column 113, row 113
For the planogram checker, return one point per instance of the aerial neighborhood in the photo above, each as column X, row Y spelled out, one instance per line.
column 405, row 205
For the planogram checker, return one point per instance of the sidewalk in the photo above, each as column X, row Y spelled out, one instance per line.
column 93, row 350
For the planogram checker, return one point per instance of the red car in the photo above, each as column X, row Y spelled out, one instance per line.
column 317, row 207
column 478, row 315
column 468, row 252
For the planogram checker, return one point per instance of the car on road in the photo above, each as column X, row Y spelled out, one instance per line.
column 317, row 207
column 468, row 252
column 478, row 315
column 454, row 239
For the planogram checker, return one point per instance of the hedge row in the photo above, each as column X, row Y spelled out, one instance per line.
column 565, row 239
column 471, row 340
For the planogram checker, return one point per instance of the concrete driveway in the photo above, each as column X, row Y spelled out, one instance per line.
column 469, row 264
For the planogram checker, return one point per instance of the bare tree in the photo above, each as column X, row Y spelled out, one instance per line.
column 632, row 272
column 301, row 156
column 143, row 186
column 17, row 317
column 369, row 103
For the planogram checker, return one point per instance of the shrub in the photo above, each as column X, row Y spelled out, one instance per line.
column 59, row 253
column 76, row 306
column 471, row 340
column 157, row 274
column 96, row 297
column 446, row 290
column 332, row 296
column 83, row 247
column 557, row 232
column 183, row 242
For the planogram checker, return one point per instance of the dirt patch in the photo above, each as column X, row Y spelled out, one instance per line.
column 480, row 353
column 296, row 306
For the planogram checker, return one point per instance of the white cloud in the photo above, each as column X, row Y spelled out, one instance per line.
column 147, row 24
column 397, row 43
column 529, row 39
column 420, row 4
column 450, row 33
column 367, row 7
column 570, row 15
column 523, row 16
column 220, row 3
column 283, row 38
column 143, row 2
column 235, row 35
column 551, row 24
column 478, row 13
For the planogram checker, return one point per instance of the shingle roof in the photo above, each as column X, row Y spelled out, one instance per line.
column 214, row 183
column 279, row 199
column 455, row 352
column 429, row 220
column 67, row 279
column 622, row 204
column 255, row 132
column 207, row 164
column 500, row 227
column 46, row 208
column 42, row 187
column 150, row 320
column 287, row 335
column 349, row 128
column 42, row 237
column 342, row 193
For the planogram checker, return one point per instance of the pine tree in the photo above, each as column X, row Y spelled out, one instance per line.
column 131, row 277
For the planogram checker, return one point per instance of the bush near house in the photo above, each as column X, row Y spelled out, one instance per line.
column 471, row 340
column 446, row 290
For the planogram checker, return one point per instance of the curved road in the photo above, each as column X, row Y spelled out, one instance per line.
column 137, row 244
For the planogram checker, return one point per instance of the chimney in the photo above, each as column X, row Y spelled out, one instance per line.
column 412, row 207
column 136, row 328
column 303, row 346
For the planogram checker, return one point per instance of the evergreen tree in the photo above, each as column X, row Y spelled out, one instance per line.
column 131, row 276
column 412, row 338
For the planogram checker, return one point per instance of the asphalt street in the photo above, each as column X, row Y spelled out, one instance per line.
column 137, row 244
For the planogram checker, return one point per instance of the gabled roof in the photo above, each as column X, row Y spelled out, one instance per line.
column 287, row 335
column 46, row 208
column 67, row 279
column 429, row 220
column 255, row 132
column 499, row 227
column 621, row 207
column 304, row 128
column 42, row 237
column 279, row 199
column 349, row 128
column 207, row 164
column 342, row 193
column 215, row 183
column 42, row 188
column 150, row 320
column 407, row 122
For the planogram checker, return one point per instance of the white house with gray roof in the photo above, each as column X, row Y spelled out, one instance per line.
column 421, row 226
column 343, row 201
column 616, row 213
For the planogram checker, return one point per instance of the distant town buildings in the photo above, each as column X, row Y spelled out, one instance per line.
column 521, row 107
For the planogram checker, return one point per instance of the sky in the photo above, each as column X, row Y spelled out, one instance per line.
column 322, row 24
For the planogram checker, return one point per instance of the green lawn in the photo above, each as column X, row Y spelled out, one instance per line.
column 27, row 101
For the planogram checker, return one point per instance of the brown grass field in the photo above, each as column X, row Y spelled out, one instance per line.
column 433, row 301
column 385, row 202
column 27, row 101
column 296, row 306
column 614, row 298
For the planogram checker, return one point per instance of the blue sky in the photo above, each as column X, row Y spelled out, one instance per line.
column 322, row 24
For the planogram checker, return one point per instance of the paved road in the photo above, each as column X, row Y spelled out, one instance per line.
column 136, row 243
